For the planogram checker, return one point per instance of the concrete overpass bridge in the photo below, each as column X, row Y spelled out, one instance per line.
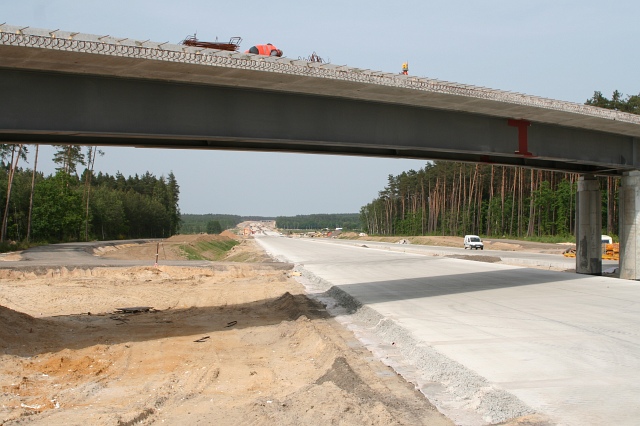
column 60, row 87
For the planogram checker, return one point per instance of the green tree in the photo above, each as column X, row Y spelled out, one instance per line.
column 633, row 104
column 68, row 157
column 173, row 193
column 146, row 216
column 214, row 227
column 57, row 211
column 107, row 214
column 619, row 102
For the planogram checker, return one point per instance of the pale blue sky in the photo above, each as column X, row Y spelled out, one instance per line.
column 561, row 49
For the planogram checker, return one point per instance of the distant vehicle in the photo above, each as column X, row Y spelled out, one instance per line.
column 473, row 242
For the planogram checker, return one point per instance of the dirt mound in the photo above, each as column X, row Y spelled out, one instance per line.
column 172, row 249
column 15, row 321
column 11, row 256
column 247, row 251
column 14, row 326
column 297, row 306
column 477, row 258
column 430, row 241
column 497, row 245
column 231, row 339
column 349, row 235
column 230, row 234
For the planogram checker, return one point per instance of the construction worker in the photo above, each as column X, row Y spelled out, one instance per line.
column 405, row 68
column 265, row 49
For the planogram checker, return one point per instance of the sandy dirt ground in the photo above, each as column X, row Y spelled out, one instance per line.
column 229, row 345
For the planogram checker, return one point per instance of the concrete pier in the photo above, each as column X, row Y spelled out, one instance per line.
column 588, row 226
column 629, row 203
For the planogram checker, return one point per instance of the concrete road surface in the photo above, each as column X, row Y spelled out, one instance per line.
column 518, row 258
column 486, row 337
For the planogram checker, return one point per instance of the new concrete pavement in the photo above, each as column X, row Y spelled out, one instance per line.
column 566, row 345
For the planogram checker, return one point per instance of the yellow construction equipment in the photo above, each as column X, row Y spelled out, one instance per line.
column 609, row 252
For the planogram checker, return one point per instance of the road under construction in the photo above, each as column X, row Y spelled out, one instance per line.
column 70, row 88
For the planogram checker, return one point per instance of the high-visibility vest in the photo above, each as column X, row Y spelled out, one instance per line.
column 265, row 49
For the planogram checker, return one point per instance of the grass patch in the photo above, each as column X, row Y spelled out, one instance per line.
column 8, row 246
column 551, row 239
column 208, row 250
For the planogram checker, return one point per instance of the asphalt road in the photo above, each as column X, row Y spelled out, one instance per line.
column 564, row 344
column 79, row 255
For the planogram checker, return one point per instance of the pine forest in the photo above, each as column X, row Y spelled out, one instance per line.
column 447, row 198
column 68, row 206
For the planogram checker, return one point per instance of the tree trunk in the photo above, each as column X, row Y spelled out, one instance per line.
column 532, row 212
column 513, row 199
column 92, row 158
column 490, row 201
column 12, row 169
column 33, row 185
column 424, row 208
column 609, row 205
column 502, row 201
column 444, row 204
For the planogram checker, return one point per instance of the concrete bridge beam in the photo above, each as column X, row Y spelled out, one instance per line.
column 629, row 204
column 588, row 226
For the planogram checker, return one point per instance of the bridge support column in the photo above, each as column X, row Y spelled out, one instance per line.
column 629, row 204
column 588, row 226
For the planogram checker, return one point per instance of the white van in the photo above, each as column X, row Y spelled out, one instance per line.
column 473, row 242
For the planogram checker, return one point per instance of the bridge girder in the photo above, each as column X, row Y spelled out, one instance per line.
column 63, row 108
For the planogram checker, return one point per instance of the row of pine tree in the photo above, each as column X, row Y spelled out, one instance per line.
column 72, row 206
column 447, row 198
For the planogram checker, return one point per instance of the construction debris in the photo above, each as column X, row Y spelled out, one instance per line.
column 134, row 309
column 232, row 45
column 313, row 58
